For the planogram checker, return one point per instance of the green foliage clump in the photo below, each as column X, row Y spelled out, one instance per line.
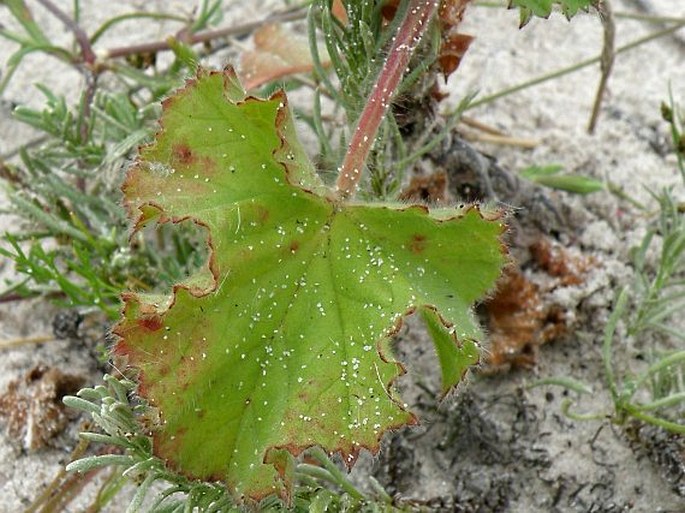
column 543, row 8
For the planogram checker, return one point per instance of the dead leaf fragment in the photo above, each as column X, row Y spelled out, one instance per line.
column 516, row 319
column 452, row 51
column 338, row 10
column 453, row 45
column 558, row 262
column 430, row 189
column 278, row 52
column 520, row 316
column 33, row 408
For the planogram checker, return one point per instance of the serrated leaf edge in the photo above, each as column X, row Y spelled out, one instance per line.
column 134, row 299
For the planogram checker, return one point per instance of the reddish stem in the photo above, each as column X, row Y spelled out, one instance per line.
column 206, row 36
column 415, row 23
column 81, row 36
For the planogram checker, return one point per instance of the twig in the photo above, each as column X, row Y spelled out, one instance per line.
column 504, row 140
column 205, row 36
column 11, row 297
column 416, row 21
column 80, row 34
column 608, row 58
column 16, row 342
column 479, row 125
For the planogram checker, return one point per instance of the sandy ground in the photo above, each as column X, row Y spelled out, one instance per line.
column 496, row 445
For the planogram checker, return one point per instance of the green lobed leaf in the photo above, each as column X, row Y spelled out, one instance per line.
column 543, row 8
column 454, row 359
column 283, row 341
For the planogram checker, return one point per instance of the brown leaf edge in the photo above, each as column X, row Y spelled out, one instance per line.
column 151, row 315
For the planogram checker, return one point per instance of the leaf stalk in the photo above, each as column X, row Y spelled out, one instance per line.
column 409, row 33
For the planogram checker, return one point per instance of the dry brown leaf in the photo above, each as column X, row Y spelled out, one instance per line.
column 277, row 53
column 428, row 189
column 338, row 10
column 453, row 45
column 519, row 318
column 33, row 406
column 516, row 318
column 556, row 261
column 452, row 51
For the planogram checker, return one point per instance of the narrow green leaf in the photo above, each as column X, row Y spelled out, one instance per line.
column 23, row 15
column 80, row 404
column 534, row 172
column 105, row 460
column 565, row 382
column 550, row 176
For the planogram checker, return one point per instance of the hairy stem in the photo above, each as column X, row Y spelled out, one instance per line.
column 417, row 18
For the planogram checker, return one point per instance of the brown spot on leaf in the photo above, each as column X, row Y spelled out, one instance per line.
column 294, row 246
column 262, row 214
column 182, row 154
column 152, row 323
column 418, row 243
column 164, row 443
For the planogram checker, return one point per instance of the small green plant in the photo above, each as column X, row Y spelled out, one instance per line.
column 655, row 394
column 74, row 247
column 286, row 290
column 322, row 486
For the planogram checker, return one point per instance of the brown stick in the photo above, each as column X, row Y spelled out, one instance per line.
column 607, row 61
column 205, row 36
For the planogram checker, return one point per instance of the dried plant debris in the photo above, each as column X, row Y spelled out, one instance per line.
column 558, row 262
column 453, row 45
column 430, row 189
column 32, row 407
column 521, row 316
column 278, row 52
